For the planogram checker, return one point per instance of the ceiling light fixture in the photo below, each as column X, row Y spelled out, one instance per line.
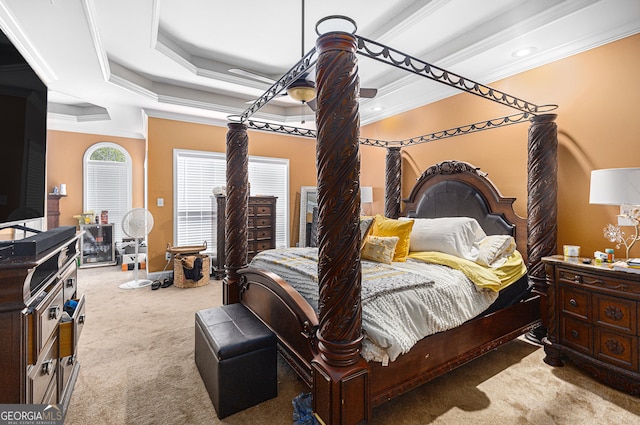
column 525, row 51
column 302, row 90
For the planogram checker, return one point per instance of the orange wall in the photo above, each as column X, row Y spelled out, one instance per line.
column 598, row 94
column 165, row 135
column 65, row 152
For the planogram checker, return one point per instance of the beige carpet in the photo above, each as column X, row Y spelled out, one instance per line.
column 137, row 367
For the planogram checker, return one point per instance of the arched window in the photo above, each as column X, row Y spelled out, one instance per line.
column 107, row 183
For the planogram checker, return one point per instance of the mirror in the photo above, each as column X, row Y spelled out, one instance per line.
column 308, row 201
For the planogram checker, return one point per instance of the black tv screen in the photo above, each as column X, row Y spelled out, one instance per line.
column 23, row 138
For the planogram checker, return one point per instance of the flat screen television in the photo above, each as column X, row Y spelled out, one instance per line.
column 23, row 138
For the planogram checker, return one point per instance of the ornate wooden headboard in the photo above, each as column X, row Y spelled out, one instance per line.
column 459, row 189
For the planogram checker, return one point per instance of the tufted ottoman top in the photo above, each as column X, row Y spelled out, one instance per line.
column 233, row 330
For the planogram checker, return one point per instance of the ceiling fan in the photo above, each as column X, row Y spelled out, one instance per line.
column 303, row 89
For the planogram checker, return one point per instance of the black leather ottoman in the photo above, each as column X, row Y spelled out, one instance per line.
column 236, row 356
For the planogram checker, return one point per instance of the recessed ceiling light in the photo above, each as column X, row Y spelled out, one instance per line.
column 525, row 51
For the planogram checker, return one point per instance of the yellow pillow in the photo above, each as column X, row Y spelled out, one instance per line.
column 383, row 226
column 379, row 248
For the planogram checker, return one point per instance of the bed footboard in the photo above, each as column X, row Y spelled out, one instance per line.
column 286, row 313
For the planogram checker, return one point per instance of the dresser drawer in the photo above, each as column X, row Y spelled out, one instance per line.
column 41, row 375
column 263, row 222
column 615, row 313
column 69, row 282
column 257, row 246
column 263, row 209
column 67, row 367
column 263, row 234
column 576, row 334
column 575, row 302
column 46, row 316
column 259, row 234
column 615, row 348
column 69, row 332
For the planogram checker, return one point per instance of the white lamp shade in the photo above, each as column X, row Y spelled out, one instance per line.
column 366, row 194
column 615, row 186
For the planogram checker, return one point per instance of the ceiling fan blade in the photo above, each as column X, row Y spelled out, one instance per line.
column 368, row 93
column 251, row 74
column 250, row 102
column 313, row 104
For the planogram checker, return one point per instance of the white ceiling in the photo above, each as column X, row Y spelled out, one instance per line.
column 110, row 63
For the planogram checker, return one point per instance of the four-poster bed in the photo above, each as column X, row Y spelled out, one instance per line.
column 324, row 347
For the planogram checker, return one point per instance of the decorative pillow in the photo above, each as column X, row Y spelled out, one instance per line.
column 366, row 225
column 383, row 226
column 459, row 236
column 494, row 250
column 379, row 248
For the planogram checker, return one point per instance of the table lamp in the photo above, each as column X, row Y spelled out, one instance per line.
column 618, row 186
column 366, row 197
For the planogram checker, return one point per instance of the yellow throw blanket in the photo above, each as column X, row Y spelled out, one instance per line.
column 484, row 277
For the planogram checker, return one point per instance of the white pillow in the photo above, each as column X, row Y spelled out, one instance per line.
column 459, row 236
column 495, row 249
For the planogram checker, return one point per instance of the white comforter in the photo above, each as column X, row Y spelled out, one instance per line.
column 401, row 302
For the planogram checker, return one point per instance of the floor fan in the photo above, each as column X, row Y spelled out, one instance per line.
column 136, row 224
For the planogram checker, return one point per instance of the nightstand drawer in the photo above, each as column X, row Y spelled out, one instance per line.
column 575, row 302
column 615, row 313
column 617, row 349
column 576, row 334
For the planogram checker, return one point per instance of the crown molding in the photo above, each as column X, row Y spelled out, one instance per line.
column 14, row 31
column 89, row 12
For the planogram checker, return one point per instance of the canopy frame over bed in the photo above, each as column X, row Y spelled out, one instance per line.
column 341, row 380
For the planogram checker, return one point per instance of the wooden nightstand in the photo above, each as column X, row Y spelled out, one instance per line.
column 594, row 321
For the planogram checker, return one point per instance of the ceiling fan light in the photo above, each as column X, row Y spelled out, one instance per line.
column 302, row 93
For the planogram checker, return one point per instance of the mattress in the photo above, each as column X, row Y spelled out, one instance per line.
column 401, row 302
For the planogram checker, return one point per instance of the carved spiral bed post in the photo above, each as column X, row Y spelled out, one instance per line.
column 542, row 206
column 393, row 183
column 340, row 375
column 236, row 210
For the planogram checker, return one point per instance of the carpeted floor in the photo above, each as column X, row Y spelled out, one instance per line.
column 137, row 367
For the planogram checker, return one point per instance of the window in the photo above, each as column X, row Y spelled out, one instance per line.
column 196, row 173
column 107, row 183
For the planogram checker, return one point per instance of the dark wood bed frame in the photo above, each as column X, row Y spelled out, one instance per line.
column 324, row 348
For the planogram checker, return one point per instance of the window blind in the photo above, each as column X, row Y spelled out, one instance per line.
column 196, row 173
column 107, row 187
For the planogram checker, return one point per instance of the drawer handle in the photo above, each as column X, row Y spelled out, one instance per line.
column 577, row 278
column 54, row 312
column 81, row 319
column 47, row 367
column 574, row 333
column 573, row 302
column 70, row 282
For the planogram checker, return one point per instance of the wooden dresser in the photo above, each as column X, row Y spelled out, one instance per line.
column 53, row 210
column 594, row 321
column 261, row 229
column 39, row 341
